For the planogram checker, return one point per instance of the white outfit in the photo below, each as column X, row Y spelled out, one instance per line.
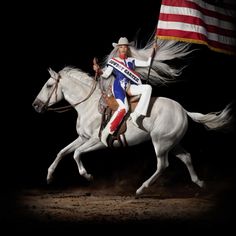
column 120, row 87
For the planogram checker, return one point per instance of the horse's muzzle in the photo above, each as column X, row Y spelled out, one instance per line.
column 39, row 106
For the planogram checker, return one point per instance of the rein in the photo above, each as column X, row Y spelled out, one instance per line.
column 69, row 107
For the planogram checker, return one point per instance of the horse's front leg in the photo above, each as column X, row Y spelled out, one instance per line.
column 68, row 149
column 90, row 145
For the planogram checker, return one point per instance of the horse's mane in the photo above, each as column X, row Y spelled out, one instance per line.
column 161, row 72
column 77, row 74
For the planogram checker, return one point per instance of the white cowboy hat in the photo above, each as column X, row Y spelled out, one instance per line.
column 122, row 41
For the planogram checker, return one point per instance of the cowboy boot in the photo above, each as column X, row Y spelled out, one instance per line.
column 105, row 133
column 134, row 116
column 112, row 125
column 141, row 109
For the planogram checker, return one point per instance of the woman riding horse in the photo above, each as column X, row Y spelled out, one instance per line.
column 122, row 65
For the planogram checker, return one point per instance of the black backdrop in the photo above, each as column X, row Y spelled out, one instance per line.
column 63, row 34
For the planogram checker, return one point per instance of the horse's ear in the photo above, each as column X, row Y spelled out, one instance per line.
column 52, row 73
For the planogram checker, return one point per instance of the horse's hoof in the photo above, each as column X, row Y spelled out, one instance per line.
column 89, row 177
column 201, row 184
column 49, row 179
column 139, row 191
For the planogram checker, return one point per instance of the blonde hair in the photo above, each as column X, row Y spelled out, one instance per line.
column 161, row 72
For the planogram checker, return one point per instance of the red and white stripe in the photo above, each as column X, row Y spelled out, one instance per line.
column 197, row 21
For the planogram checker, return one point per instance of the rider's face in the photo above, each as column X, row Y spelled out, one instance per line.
column 123, row 49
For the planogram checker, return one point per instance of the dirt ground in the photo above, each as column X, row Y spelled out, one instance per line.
column 71, row 203
column 87, row 207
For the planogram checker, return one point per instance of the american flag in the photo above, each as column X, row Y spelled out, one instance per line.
column 199, row 21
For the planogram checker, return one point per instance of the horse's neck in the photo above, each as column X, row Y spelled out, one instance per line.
column 89, row 107
column 78, row 95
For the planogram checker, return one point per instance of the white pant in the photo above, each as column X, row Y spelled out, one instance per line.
column 145, row 90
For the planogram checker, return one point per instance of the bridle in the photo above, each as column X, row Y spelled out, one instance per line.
column 54, row 90
column 68, row 107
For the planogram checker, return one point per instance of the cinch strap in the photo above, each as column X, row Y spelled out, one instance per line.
column 124, row 70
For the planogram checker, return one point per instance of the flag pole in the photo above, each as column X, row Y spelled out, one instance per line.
column 154, row 49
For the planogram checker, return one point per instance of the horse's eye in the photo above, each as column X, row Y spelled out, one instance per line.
column 49, row 85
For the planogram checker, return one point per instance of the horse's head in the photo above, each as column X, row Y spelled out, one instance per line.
column 50, row 93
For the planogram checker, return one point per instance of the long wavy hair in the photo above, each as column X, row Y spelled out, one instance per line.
column 161, row 71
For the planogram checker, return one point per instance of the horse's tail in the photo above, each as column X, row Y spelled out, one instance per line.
column 221, row 120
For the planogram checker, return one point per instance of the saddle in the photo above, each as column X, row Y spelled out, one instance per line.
column 107, row 106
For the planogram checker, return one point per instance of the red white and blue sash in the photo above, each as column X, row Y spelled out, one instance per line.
column 127, row 72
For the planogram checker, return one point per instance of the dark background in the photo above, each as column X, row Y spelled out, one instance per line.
column 63, row 34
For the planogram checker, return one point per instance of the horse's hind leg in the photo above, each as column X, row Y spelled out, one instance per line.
column 162, row 163
column 185, row 157
column 68, row 149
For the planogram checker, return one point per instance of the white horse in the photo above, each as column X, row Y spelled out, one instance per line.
column 165, row 124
